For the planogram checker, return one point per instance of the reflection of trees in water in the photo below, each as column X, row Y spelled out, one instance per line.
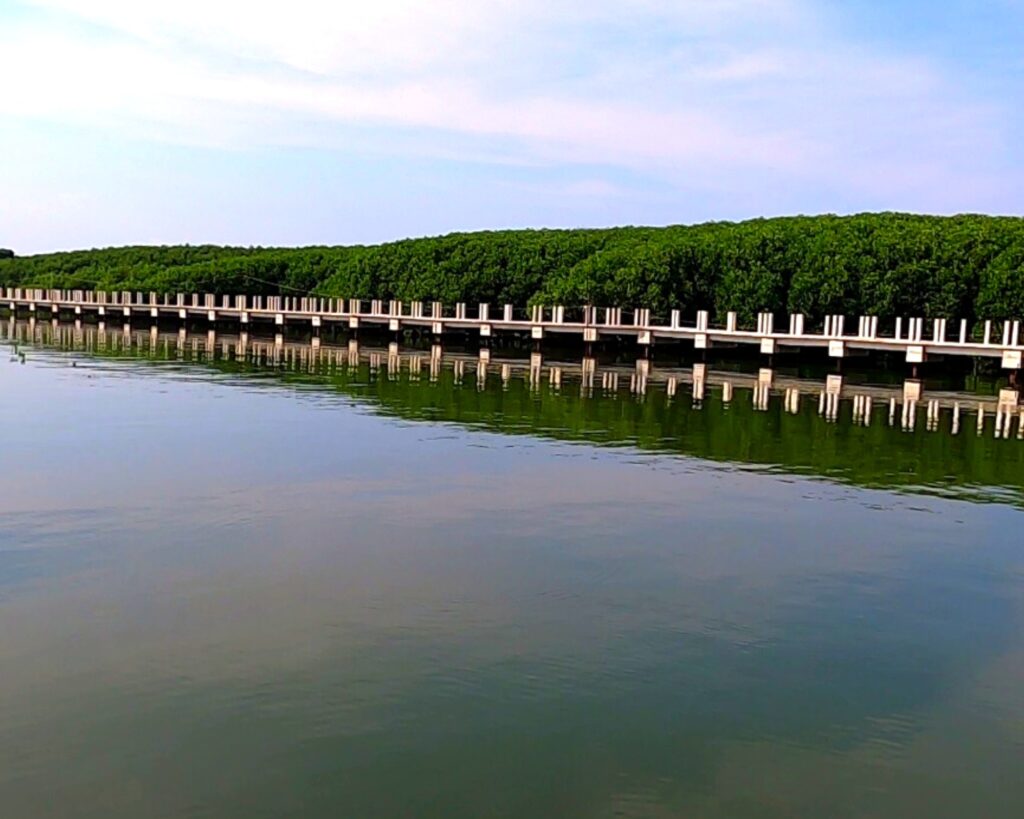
column 746, row 425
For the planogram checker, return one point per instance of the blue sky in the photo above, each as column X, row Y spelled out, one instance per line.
column 314, row 122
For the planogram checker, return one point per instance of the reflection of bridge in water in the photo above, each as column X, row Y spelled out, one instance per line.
column 903, row 407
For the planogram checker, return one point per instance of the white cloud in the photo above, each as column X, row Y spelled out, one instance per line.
column 321, row 37
column 691, row 88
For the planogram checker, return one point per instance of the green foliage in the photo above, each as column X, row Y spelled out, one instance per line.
column 6, row 253
column 883, row 264
column 1001, row 288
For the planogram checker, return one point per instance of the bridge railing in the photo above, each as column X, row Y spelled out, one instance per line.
column 910, row 330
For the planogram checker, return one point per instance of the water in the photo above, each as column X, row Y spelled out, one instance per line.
column 238, row 589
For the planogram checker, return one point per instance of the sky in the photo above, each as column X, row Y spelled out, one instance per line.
column 304, row 122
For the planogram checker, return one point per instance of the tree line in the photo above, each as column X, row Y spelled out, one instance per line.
column 886, row 264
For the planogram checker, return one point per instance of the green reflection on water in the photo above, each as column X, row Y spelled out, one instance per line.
column 444, row 629
column 966, row 465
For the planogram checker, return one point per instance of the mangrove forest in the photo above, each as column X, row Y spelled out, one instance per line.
column 968, row 266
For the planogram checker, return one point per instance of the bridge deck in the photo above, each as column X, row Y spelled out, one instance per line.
column 914, row 337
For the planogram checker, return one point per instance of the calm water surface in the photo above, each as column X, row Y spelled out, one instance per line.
column 231, row 590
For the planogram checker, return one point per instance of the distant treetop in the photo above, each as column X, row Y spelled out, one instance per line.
column 885, row 264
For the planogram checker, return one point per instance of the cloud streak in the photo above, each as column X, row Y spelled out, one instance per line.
column 717, row 95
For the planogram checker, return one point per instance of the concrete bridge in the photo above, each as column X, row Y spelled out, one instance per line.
column 915, row 338
column 906, row 405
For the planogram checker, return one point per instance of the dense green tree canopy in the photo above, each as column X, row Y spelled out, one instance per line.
column 884, row 264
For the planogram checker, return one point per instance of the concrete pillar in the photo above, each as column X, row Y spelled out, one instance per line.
column 587, row 369
column 909, row 418
column 792, row 401
column 536, row 362
column 760, row 396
